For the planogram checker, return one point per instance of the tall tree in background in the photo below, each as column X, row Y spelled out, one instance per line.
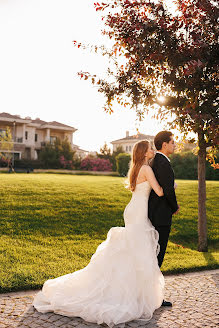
column 6, row 146
column 105, row 152
column 166, row 61
column 57, row 154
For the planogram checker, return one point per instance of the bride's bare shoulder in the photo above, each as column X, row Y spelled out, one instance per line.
column 146, row 170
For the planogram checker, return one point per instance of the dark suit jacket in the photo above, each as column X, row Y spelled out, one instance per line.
column 160, row 209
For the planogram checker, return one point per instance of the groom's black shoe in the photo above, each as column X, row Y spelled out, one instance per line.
column 165, row 303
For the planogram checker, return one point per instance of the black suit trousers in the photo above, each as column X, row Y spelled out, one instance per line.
column 164, row 232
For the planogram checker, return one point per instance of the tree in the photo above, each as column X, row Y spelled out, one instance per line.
column 116, row 152
column 122, row 163
column 160, row 55
column 105, row 152
column 49, row 156
column 6, row 146
column 58, row 154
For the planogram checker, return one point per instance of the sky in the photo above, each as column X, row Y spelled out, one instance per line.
column 39, row 65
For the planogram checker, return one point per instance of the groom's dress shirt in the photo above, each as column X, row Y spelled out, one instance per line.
column 161, row 208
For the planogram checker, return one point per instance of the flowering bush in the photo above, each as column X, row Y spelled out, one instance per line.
column 96, row 164
column 66, row 164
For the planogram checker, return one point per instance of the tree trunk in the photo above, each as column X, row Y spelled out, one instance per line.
column 202, row 219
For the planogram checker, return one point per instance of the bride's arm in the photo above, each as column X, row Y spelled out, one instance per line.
column 149, row 174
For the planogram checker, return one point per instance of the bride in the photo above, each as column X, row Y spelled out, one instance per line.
column 123, row 281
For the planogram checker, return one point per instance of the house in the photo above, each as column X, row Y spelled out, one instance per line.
column 30, row 136
column 80, row 152
column 128, row 142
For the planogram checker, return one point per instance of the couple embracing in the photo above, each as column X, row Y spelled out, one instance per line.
column 123, row 281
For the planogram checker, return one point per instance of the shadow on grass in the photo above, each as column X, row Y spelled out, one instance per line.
column 187, row 235
column 210, row 259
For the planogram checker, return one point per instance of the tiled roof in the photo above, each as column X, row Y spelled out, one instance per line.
column 37, row 120
column 138, row 136
column 7, row 115
column 59, row 124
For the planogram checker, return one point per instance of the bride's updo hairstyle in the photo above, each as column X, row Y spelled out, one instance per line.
column 138, row 158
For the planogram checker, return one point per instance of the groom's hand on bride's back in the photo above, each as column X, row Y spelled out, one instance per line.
column 177, row 210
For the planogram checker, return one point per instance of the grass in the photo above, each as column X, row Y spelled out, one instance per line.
column 51, row 224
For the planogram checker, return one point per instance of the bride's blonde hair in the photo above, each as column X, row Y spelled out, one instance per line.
column 138, row 158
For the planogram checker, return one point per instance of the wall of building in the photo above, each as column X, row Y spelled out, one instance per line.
column 27, row 147
column 41, row 135
column 18, row 131
column 127, row 146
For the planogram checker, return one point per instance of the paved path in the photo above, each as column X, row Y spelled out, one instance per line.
column 195, row 298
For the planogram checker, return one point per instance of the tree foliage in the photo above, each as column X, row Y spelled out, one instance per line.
column 122, row 163
column 157, row 53
column 6, row 147
column 58, row 155
column 185, row 166
column 106, row 153
column 162, row 53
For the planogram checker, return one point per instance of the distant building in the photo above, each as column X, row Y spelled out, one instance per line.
column 80, row 152
column 30, row 136
column 128, row 142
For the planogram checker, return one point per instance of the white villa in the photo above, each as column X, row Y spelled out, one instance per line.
column 29, row 136
column 128, row 142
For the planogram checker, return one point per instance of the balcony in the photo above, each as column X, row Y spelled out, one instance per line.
column 18, row 140
column 13, row 140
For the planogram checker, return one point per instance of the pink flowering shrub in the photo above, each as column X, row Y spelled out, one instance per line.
column 96, row 164
column 66, row 164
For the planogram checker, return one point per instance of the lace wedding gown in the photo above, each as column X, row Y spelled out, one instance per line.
column 122, row 282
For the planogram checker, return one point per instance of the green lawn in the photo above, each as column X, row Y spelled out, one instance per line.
column 51, row 224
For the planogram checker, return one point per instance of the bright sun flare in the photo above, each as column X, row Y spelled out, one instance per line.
column 162, row 99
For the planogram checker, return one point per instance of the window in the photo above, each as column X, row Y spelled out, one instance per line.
column 130, row 148
column 126, row 148
column 53, row 140
column 26, row 135
column 36, row 137
column 16, row 156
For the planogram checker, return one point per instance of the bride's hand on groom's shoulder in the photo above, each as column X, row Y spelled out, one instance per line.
column 175, row 185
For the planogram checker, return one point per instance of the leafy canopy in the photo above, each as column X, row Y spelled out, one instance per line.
column 157, row 52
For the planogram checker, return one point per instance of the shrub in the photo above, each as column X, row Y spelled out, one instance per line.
column 96, row 164
column 58, row 155
column 185, row 166
column 122, row 163
column 28, row 163
column 4, row 162
column 66, row 164
column 106, row 153
column 50, row 157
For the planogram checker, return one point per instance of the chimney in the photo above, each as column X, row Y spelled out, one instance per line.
column 127, row 134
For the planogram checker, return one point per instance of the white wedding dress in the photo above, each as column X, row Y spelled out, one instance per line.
column 122, row 282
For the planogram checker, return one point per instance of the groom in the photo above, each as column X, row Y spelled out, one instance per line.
column 161, row 209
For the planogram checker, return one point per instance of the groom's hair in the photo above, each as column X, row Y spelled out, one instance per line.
column 161, row 137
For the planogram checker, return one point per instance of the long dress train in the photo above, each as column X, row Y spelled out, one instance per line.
column 122, row 281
